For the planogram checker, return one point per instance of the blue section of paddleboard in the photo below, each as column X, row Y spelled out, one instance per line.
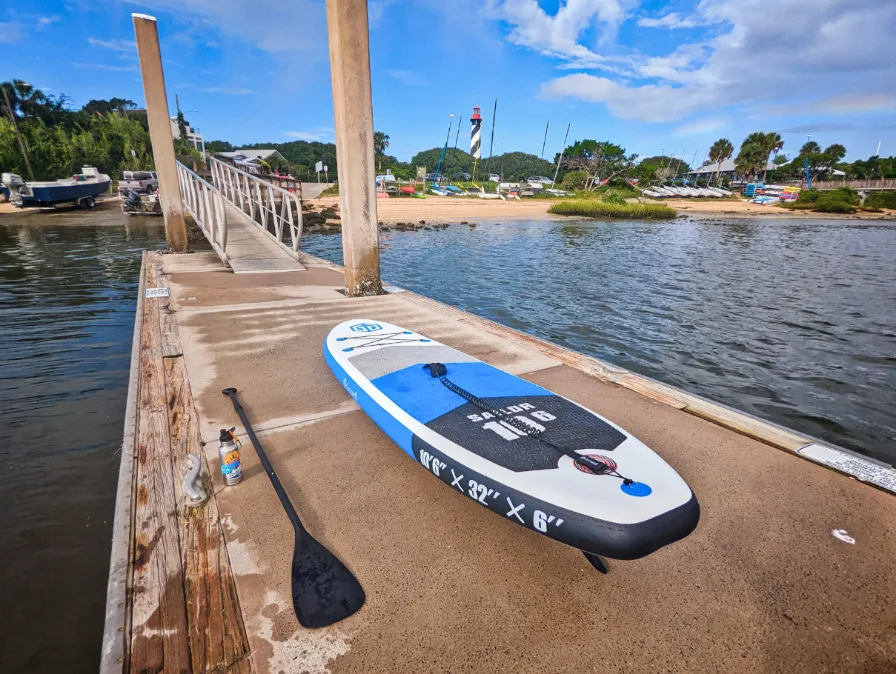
column 425, row 398
column 399, row 433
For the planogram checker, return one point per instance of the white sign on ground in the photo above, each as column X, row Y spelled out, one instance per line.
column 872, row 472
column 156, row 292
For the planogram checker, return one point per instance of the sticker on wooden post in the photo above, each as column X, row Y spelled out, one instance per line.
column 156, row 292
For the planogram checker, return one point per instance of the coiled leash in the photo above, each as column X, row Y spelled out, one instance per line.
column 439, row 371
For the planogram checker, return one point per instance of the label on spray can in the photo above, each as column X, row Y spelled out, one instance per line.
column 229, row 452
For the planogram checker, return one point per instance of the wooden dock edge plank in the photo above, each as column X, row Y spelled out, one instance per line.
column 114, row 631
column 217, row 634
column 158, row 606
column 733, row 419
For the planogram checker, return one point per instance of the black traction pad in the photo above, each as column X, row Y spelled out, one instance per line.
column 565, row 423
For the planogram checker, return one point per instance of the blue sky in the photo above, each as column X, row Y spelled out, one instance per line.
column 653, row 76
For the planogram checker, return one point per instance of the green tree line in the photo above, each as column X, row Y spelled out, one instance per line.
column 45, row 132
column 58, row 141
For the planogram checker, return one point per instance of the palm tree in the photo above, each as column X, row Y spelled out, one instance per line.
column 721, row 151
column 775, row 145
column 380, row 143
column 753, row 155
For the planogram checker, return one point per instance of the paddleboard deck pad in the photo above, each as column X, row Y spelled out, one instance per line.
column 509, row 444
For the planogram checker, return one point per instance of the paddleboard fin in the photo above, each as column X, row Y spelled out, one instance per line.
column 596, row 562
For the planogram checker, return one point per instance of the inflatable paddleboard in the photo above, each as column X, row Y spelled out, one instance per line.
column 509, row 444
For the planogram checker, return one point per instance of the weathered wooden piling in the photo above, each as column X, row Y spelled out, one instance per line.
column 147, row 35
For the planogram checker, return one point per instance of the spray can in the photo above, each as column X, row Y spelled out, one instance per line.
column 229, row 453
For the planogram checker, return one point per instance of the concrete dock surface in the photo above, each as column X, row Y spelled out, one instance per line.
column 762, row 585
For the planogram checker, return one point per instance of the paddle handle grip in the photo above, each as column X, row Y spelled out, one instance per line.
column 266, row 464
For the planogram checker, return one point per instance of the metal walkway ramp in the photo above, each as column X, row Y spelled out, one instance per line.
column 254, row 227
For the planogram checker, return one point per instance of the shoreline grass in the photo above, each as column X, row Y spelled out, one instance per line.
column 594, row 208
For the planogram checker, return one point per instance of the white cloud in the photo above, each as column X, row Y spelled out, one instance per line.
column 321, row 133
column 671, row 21
column 409, row 78
column 701, row 126
column 11, row 32
column 128, row 46
column 376, row 9
column 48, row 20
column 836, row 46
column 271, row 25
column 227, row 91
column 103, row 66
column 872, row 102
column 559, row 34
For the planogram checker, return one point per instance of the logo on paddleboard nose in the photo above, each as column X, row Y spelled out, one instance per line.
column 366, row 327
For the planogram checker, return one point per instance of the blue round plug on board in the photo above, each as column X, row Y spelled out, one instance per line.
column 636, row 489
column 348, row 349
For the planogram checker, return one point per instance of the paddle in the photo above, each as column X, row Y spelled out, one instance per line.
column 324, row 591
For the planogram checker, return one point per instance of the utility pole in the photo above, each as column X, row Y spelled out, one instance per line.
column 147, row 35
column 349, row 41
column 15, row 128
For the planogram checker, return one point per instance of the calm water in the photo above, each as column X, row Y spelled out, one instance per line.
column 67, row 302
column 793, row 321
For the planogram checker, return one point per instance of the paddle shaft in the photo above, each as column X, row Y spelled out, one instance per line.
column 268, row 468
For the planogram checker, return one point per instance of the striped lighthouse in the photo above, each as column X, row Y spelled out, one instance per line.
column 475, row 133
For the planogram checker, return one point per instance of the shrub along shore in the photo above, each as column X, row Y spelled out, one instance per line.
column 841, row 200
column 596, row 208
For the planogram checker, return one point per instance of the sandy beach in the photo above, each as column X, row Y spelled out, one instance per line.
column 453, row 209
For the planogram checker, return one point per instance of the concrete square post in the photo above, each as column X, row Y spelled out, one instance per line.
column 146, row 32
column 353, row 111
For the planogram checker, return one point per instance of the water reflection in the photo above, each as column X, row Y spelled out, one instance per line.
column 793, row 321
column 67, row 296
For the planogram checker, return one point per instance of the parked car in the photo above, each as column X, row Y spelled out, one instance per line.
column 139, row 181
column 543, row 180
column 388, row 178
column 494, row 178
column 461, row 175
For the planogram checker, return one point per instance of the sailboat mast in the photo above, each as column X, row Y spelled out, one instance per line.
column 545, row 141
column 491, row 144
column 560, row 158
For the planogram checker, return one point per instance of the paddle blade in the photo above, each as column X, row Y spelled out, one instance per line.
column 324, row 591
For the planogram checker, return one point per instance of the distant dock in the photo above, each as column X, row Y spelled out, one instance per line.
column 761, row 585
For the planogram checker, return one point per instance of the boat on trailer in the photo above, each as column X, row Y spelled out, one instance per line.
column 80, row 190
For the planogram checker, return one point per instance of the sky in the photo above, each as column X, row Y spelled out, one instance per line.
column 655, row 77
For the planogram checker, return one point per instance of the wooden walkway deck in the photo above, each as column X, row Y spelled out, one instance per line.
column 251, row 251
column 180, row 608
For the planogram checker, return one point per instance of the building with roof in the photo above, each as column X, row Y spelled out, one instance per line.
column 193, row 136
column 251, row 160
column 728, row 170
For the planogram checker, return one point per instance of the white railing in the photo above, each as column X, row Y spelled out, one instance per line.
column 206, row 204
column 275, row 210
